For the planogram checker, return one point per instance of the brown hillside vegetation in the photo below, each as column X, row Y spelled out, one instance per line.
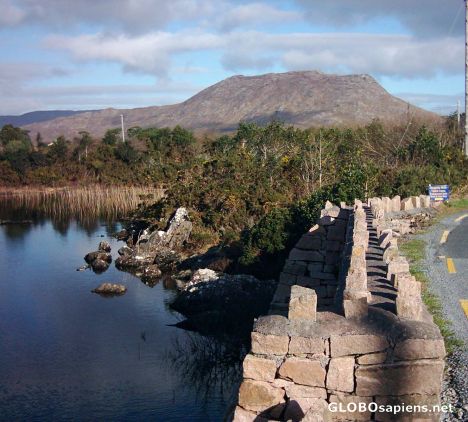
column 303, row 99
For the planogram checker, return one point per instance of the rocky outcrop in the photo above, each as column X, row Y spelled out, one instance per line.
column 110, row 289
column 158, row 247
column 212, row 300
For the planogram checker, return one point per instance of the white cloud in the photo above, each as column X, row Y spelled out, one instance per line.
column 150, row 53
column 379, row 55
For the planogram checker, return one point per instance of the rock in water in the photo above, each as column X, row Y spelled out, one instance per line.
column 93, row 256
column 125, row 250
column 151, row 275
column 110, row 289
column 104, row 246
column 99, row 265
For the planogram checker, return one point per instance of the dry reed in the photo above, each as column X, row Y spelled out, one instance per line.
column 79, row 203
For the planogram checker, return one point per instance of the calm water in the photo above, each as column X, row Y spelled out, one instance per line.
column 68, row 354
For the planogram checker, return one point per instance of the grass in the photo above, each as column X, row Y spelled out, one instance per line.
column 415, row 252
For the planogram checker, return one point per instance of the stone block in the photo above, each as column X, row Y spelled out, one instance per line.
column 340, row 375
column 408, row 400
column 259, row 396
column 349, row 344
column 334, row 245
column 294, row 391
column 301, row 255
column 306, row 345
column 296, row 410
column 336, row 233
column 407, row 204
column 415, row 348
column 309, row 242
column 242, row 415
column 282, row 293
column 303, row 371
column 372, row 358
column 302, row 304
column 306, row 281
column 332, row 258
column 267, row 344
column 344, row 402
column 415, row 377
column 425, row 201
column 387, row 204
column 295, row 267
column 259, row 369
column 356, row 308
column 390, row 254
column 385, row 238
column 409, row 307
column 288, row 279
column 398, row 265
column 416, row 200
column 315, row 266
column 396, row 203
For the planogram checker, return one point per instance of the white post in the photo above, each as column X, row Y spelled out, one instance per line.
column 123, row 130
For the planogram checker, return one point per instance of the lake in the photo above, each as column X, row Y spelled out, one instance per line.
column 69, row 354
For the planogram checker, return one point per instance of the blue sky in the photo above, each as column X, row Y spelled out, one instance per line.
column 91, row 54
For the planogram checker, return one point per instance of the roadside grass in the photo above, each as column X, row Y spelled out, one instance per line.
column 415, row 251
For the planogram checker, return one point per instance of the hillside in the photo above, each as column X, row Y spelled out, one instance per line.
column 36, row 117
column 303, row 99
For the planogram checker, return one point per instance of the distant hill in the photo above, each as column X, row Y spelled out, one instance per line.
column 36, row 117
column 303, row 99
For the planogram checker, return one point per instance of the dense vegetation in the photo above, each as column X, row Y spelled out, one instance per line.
column 256, row 190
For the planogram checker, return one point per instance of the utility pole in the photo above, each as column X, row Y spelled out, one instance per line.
column 466, row 77
column 123, row 130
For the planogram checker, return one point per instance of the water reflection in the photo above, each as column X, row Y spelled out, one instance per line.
column 67, row 354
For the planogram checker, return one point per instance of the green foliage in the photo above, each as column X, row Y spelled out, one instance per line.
column 126, row 153
column 111, row 136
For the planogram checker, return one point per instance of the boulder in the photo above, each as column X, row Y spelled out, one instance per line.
column 110, row 289
column 99, row 265
column 124, row 251
column 104, row 246
column 151, row 274
column 92, row 256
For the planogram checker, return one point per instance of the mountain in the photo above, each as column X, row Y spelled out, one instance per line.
column 36, row 117
column 303, row 99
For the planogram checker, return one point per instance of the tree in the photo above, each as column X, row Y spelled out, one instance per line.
column 10, row 133
column 59, row 149
column 110, row 137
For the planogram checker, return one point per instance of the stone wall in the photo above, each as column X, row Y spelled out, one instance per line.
column 330, row 338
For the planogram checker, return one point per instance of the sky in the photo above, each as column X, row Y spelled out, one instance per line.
column 93, row 54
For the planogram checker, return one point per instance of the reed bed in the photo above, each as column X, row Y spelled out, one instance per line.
column 80, row 203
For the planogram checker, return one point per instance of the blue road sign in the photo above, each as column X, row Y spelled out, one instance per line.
column 439, row 192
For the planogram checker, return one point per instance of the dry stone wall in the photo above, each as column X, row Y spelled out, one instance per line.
column 326, row 341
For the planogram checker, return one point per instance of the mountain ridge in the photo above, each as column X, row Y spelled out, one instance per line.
column 300, row 98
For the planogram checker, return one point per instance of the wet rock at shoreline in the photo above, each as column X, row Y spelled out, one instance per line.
column 217, row 301
column 104, row 246
column 157, row 247
column 99, row 260
column 151, row 275
column 110, row 289
column 125, row 250
column 83, row 267
column 122, row 235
